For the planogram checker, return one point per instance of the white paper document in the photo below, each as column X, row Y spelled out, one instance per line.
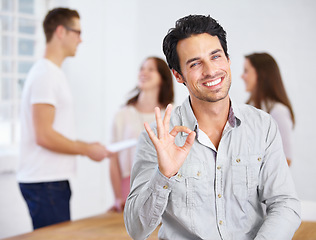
column 119, row 146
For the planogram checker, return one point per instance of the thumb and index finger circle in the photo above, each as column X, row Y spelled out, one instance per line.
column 177, row 129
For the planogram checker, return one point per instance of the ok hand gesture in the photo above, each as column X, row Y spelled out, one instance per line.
column 170, row 156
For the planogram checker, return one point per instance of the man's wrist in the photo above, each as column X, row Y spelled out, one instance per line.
column 81, row 148
column 167, row 175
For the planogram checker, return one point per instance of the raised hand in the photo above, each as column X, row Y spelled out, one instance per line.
column 170, row 156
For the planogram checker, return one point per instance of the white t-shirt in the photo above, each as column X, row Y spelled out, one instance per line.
column 281, row 114
column 128, row 124
column 46, row 83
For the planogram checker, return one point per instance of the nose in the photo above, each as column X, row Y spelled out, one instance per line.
column 143, row 71
column 209, row 68
column 243, row 76
column 141, row 74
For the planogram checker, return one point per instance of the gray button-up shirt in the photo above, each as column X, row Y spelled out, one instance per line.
column 242, row 190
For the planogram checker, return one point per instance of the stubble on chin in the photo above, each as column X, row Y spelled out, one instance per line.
column 214, row 95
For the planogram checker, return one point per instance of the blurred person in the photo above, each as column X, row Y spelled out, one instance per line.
column 154, row 88
column 48, row 146
column 264, row 83
column 209, row 177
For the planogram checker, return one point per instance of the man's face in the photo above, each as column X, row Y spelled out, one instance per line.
column 72, row 37
column 205, row 68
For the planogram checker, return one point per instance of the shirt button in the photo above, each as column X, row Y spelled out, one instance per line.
column 198, row 173
column 259, row 159
column 218, row 167
column 165, row 187
column 179, row 175
column 220, row 222
column 219, row 195
column 238, row 160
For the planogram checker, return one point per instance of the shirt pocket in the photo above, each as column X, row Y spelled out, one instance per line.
column 245, row 176
column 192, row 188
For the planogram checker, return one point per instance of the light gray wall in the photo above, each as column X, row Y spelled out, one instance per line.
column 118, row 35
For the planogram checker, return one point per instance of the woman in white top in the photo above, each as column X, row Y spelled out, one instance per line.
column 264, row 82
column 154, row 88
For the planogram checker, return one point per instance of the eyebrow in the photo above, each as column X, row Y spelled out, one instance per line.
column 197, row 58
column 216, row 51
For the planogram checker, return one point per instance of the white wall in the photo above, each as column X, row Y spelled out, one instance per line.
column 118, row 35
column 101, row 73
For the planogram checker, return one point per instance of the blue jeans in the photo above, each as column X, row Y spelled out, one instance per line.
column 48, row 202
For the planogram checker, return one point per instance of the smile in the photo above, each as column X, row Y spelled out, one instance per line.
column 213, row 83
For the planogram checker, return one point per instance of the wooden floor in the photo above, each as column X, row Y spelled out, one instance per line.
column 111, row 226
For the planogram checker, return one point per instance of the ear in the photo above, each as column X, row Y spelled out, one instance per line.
column 60, row 31
column 178, row 76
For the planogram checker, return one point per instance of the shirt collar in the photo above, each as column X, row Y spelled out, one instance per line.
column 234, row 113
column 188, row 118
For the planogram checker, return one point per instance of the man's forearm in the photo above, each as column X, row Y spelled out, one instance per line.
column 56, row 142
column 281, row 221
column 144, row 207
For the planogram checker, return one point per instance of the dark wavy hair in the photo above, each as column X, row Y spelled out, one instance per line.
column 186, row 27
column 166, row 94
column 269, row 85
column 56, row 17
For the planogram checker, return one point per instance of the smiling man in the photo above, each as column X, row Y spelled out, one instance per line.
column 212, row 174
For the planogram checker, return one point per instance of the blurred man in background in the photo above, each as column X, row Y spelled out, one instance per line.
column 48, row 143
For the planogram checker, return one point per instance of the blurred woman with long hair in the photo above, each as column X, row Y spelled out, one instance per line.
column 154, row 89
column 264, row 83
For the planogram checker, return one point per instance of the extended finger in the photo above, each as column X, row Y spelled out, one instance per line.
column 160, row 128
column 178, row 129
column 151, row 134
column 166, row 119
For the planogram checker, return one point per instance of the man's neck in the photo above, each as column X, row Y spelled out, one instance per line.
column 54, row 54
column 211, row 117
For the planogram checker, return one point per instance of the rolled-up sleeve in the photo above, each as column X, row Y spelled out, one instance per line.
column 277, row 191
column 149, row 192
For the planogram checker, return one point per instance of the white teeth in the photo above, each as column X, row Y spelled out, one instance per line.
column 213, row 83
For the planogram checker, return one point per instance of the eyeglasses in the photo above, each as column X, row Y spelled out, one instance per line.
column 73, row 30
